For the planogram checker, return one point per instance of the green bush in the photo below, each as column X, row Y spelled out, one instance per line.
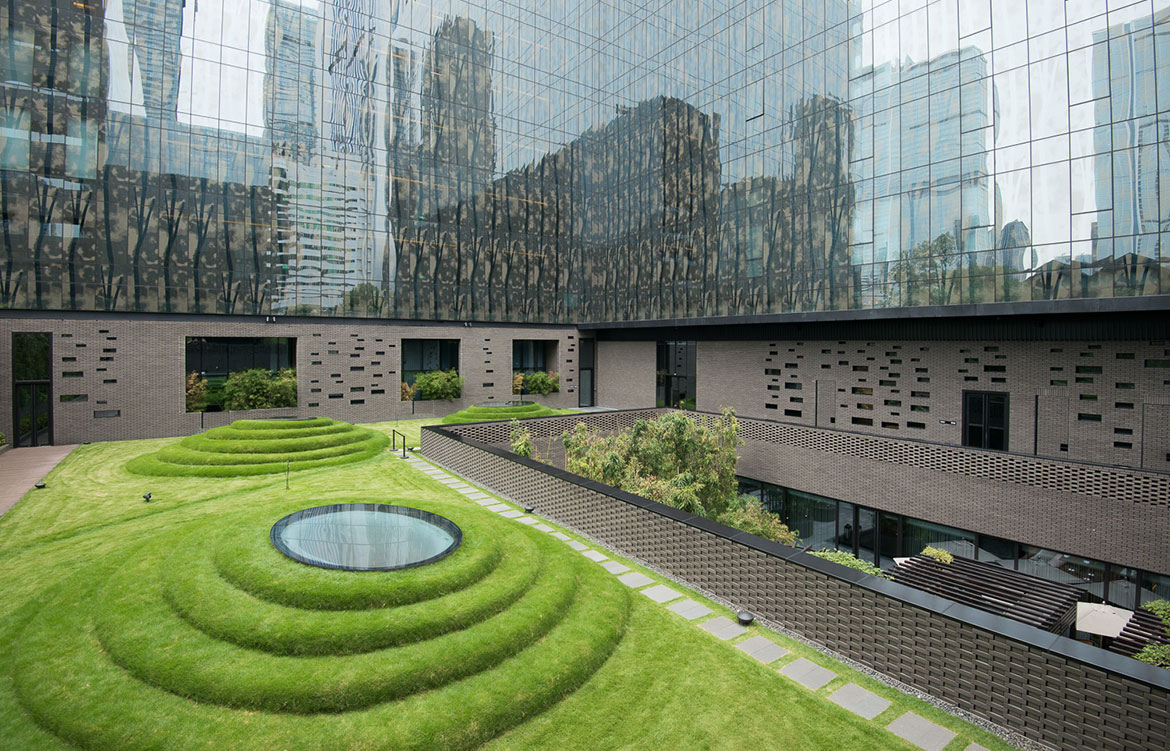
column 196, row 393
column 261, row 389
column 748, row 513
column 851, row 561
column 1160, row 608
column 3, row 440
column 673, row 459
column 542, row 383
column 521, row 440
column 439, row 384
column 938, row 554
column 1155, row 654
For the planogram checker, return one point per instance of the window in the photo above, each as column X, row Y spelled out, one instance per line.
column 985, row 420
column 420, row 355
column 533, row 355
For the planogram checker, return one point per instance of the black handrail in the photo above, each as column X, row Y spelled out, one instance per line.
column 394, row 441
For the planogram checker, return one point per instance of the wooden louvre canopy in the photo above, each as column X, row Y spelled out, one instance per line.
column 1143, row 628
column 1028, row 599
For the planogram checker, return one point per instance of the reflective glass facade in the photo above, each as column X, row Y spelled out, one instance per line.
column 564, row 162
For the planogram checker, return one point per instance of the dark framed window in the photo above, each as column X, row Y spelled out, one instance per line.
column 985, row 420
column 422, row 355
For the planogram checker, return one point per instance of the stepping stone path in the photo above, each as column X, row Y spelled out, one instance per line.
column 661, row 593
column 634, row 580
column 764, row 650
column 807, row 673
column 723, row 628
column 921, row 732
column 690, row 609
column 911, row 727
column 859, row 701
column 613, row 567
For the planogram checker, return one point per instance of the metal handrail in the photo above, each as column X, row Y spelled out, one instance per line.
column 394, row 441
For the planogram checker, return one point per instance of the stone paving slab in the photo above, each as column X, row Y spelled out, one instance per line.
column 448, row 482
column 976, row 747
column 594, row 555
column 468, row 491
column 543, row 528
column 560, row 535
column 690, row 609
column 614, row 567
column 661, row 593
column 764, row 650
column 634, row 579
column 859, row 701
column 499, row 507
column 807, row 673
column 921, row 732
column 511, row 514
column 723, row 628
column 460, row 486
column 486, row 501
column 477, row 495
column 526, row 520
column 434, row 471
column 443, row 476
column 576, row 545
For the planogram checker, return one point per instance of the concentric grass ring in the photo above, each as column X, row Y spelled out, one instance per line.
column 71, row 689
column 255, row 447
column 246, row 559
column 209, row 603
column 484, row 414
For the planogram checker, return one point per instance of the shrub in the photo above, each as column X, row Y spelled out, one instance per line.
column 1160, row 608
column 3, row 440
column 408, row 391
column 938, row 554
column 517, row 383
column 521, row 440
column 541, row 383
column 439, row 384
column 674, row 460
column 1155, row 654
column 261, row 389
column 851, row 561
column 748, row 513
column 196, row 393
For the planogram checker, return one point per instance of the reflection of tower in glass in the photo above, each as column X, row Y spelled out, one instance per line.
column 1128, row 210
column 153, row 28
column 458, row 130
column 327, row 173
column 923, row 137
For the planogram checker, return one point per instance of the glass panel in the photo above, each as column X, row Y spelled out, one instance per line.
column 867, row 535
column 1123, row 587
column 30, row 357
column 1048, row 564
column 890, row 538
column 813, row 518
column 1154, row 587
column 997, row 551
column 846, row 534
column 919, row 534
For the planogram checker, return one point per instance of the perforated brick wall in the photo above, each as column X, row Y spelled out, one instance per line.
column 125, row 375
column 1093, row 401
column 1051, row 690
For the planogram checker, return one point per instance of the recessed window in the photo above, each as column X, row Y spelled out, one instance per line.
column 1088, row 417
column 862, row 390
column 75, row 397
column 862, row 421
column 100, row 413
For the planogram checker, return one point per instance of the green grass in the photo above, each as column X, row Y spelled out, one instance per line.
column 519, row 411
column 176, row 625
column 259, row 447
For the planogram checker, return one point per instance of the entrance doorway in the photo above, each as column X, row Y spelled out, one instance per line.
column 32, row 390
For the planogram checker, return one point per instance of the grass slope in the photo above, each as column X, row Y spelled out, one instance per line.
column 519, row 411
column 259, row 447
column 169, row 625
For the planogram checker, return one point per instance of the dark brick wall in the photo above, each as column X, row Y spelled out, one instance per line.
column 625, row 374
column 1048, row 688
column 1085, row 396
column 135, row 365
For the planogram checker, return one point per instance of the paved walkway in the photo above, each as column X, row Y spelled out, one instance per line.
column 20, row 469
column 919, row 731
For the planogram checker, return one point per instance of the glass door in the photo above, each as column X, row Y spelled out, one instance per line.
column 31, row 390
column 985, row 420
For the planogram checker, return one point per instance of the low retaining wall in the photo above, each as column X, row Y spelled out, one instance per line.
column 1050, row 689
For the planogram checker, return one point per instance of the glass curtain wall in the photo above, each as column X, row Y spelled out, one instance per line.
column 555, row 161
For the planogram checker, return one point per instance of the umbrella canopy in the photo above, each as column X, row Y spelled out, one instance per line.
column 1106, row 620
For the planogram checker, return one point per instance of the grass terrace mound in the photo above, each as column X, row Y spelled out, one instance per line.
column 260, row 447
column 485, row 414
column 209, row 637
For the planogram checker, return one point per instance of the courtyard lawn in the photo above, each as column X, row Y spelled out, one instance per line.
column 176, row 625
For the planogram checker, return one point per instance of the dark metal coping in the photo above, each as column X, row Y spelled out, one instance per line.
column 1027, row 635
column 441, row 522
